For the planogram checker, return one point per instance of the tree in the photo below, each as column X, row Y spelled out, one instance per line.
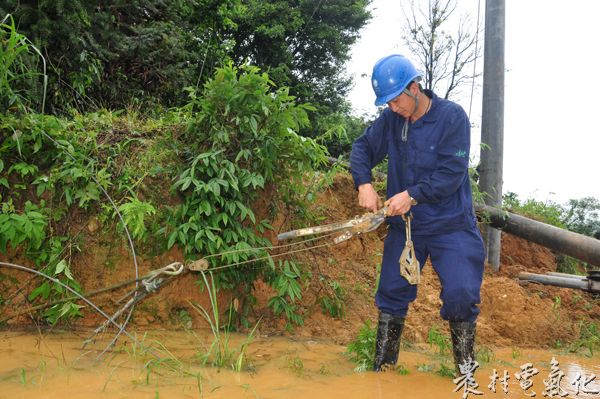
column 112, row 53
column 583, row 216
column 445, row 57
column 117, row 52
column 304, row 44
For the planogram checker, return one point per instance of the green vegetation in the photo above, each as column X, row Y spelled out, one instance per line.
column 446, row 369
column 362, row 350
column 236, row 140
column 436, row 338
column 219, row 353
column 589, row 338
column 579, row 215
column 486, row 355
column 333, row 303
column 118, row 53
column 295, row 365
column 285, row 281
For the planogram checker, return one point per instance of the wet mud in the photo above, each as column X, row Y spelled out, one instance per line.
column 53, row 365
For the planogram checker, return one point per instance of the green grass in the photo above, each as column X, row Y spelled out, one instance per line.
column 445, row 370
column 219, row 352
column 589, row 338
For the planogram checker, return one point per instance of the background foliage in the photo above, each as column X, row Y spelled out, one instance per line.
column 116, row 53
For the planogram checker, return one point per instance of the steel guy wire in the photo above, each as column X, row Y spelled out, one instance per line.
column 270, row 256
column 56, row 281
column 271, row 247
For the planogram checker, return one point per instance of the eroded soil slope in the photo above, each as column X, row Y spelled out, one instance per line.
column 511, row 314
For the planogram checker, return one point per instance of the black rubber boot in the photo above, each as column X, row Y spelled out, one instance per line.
column 389, row 330
column 463, row 342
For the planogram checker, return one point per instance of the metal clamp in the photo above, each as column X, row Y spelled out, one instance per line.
column 409, row 265
column 359, row 225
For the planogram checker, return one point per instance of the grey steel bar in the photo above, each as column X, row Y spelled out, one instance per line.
column 565, row 275
column 576, row 245
column 554, row 280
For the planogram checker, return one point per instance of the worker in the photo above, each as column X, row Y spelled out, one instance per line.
column 426, row 141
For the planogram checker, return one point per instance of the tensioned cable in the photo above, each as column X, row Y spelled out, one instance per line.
column 205, row 54
column 271, row 247
column 56, row 281
column 309, row 20
column 270, row 256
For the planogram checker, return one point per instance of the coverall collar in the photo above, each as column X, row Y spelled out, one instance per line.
column 431, row 115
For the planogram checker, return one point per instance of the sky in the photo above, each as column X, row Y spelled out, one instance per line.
column 552, row 61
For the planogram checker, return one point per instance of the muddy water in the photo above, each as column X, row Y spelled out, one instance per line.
column 55, row 366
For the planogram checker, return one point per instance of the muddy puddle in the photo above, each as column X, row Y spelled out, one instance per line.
column 169, row 365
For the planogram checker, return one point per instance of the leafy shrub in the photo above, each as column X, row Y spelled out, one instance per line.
column 285, row 281
column 241, row 143
column 548, row 212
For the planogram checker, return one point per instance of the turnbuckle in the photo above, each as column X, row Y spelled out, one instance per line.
column 365, row 223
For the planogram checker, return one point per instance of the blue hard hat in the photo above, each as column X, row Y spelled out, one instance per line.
column 390, row 77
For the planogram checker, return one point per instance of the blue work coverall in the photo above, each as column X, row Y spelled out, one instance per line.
column 433, row 166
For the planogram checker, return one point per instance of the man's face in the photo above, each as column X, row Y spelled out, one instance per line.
column 403, row 104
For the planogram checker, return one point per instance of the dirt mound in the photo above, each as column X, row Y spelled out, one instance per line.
column 519, row 255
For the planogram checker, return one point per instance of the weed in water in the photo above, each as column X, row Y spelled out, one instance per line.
column 515, row 353
column 362, row 349
column 110, row 376
column 199, row 385
column 435, row 337
column 445, row 370
column 484, row 355
column 402, row 370
column 219, row 353
column 296, row 365
column 23, row 376
column 424, row 368
column 589, row 338
column 242, row 360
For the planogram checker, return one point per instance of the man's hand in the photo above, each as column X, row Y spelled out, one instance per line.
column 399, row 204
column 368, row 198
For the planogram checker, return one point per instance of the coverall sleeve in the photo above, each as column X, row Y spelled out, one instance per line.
column 452, row 163
column 368, row 150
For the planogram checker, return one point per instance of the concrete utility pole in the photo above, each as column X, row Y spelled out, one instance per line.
column 492, row 121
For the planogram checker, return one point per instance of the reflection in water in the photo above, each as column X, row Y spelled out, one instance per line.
column 579, row 382
column 54, row 366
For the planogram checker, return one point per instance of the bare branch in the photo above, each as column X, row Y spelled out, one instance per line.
column 444, row 56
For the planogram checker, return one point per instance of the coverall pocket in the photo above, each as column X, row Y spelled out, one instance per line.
column 425, row 161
